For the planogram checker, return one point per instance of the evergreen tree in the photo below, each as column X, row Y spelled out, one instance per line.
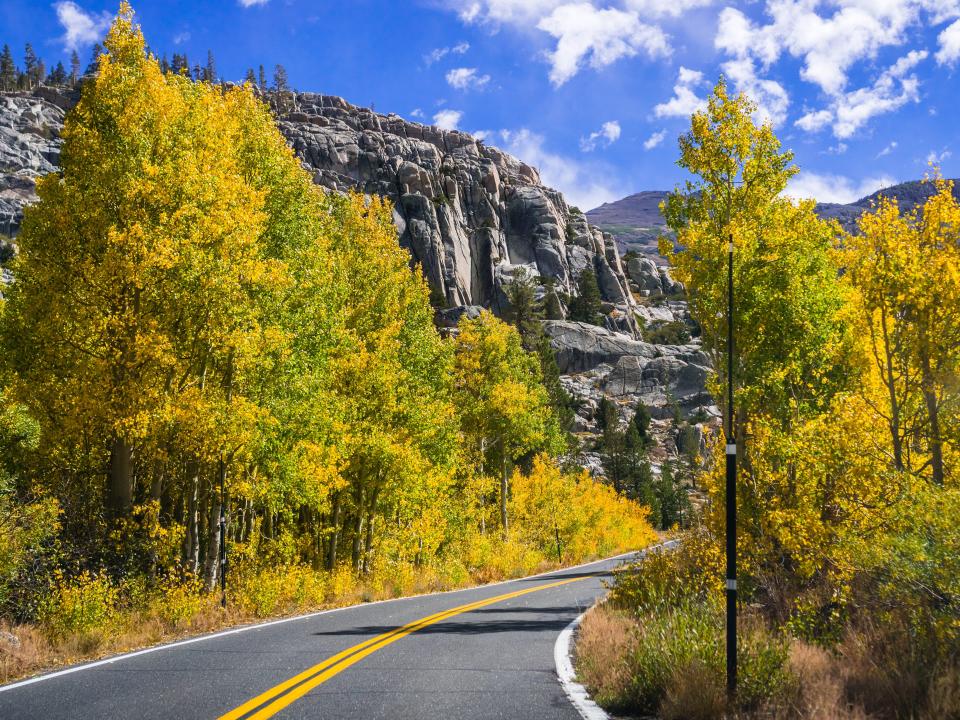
column 197, row 73
column 585, row 307
column 552, row 308
column 58, row 76
column 250, row 77
column 39, row 73
column 608, row 417
column 522, row 312
column 280, row 81
column 164, row 64
column 74, row 68
column 262, row 79
column 673, row 500
column 94, row 65
column 210, row 71
column 8, row 70
column 29, row 66
column 641, row 421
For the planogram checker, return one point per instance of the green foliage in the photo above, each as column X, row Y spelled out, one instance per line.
column 667, row 333
column 585, row 306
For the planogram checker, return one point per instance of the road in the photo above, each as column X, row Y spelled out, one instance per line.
column 481, row 653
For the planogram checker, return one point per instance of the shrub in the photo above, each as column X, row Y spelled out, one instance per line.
column 78, row 605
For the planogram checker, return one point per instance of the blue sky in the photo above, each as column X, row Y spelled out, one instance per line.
column 593, row 92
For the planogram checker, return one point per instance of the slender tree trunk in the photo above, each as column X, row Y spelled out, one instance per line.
column 121, row 478
column 335, row 524
column 890, row 382
column 504, row 490
column 213, row 542
column 193, row 522
column 357, row 540
column 368, row 543
column 933, row 415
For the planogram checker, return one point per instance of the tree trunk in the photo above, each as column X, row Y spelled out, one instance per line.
column 335, row 524
column 933, row 415
column 192, row 539
column 213, row 543
column 357, row 540
column 504, row 489
column 121, row 478
column 368, row 543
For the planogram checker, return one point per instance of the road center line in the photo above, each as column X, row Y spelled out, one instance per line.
column 289, row 691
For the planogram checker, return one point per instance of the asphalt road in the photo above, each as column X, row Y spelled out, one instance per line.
column 423, row 657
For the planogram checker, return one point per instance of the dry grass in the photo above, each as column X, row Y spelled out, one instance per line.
column 693, row 694
column 603, row 643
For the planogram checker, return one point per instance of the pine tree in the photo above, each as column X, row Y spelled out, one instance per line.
column 164, row 64
column 39, row 73
column 58, row 76
column 280, row 80
column 30, row 66
column 522, row 311
column 94, row 65
column 210, row 72
column 641, row 421
column 74, row 68
column 250, row 77
column 585, row 307
column 262, row 79
column 8, row 70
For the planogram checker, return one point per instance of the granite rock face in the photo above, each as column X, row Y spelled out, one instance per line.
column 469, row 213
column 29, row 147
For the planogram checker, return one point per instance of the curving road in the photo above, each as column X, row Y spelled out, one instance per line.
column 480, row 653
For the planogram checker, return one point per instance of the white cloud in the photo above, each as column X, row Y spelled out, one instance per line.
column 770, row 96
column 80, row 27
column 447, row 119
column 438, row 54
column 838, row 149
column 661, row 8
column 181, row 37
column 651, row 142
column 892, row 90
column 416, row 113
column 835, row 188
column 251, row 3
column 949, row 39
column 582, row 185
column 505, row 11
column 937, row 158
column 828, row 44
column 608, row 134
column 585, row 34
column 813, row 121
column 684, row 101
column 466, row 78
column 888, row 149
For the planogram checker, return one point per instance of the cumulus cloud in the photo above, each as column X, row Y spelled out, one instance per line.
column 685, row 101
column 251, row 3
column 661, row 8
column 80, row 27
column 588, row 35
column 770, row 96
column 651, row 142
column 608, row 134
column 416, row 113
column 583, row 185
column 835, row 188
column 438, row 54
column 466, row 79
column 949, row 40
column 447, row 119
column 893, row 89
column 813, row 121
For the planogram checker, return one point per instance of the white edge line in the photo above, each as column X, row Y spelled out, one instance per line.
column 245, row 628
column 575, row 692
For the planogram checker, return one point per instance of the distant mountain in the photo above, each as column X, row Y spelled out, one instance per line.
column 635, row 221
column 908, row 196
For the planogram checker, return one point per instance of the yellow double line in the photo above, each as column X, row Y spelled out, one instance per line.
column 289, row 691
